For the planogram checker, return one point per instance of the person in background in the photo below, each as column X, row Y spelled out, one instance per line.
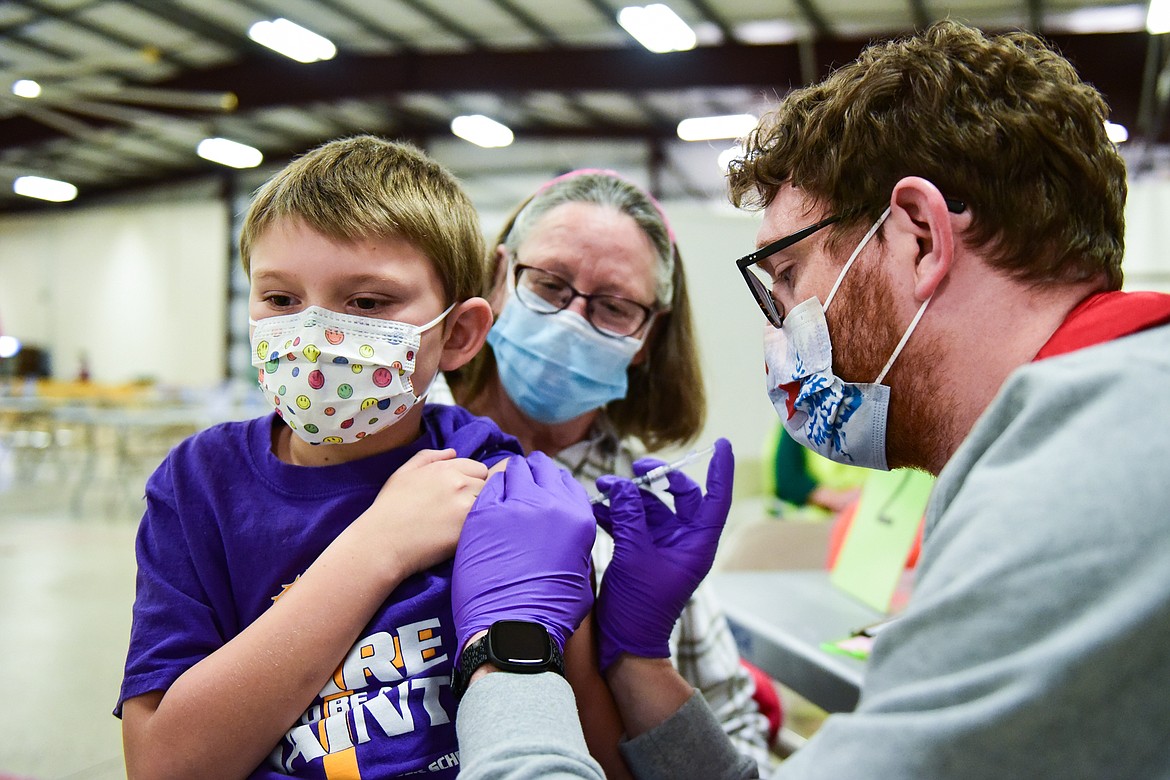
column 592, row 360
column 810, row 487
column 293, row 609
column 803, row 480
column 941, row 256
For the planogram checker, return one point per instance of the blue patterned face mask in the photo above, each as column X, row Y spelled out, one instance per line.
column 843, row 421
column 556, row 367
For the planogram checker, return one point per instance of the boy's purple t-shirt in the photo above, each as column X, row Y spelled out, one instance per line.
column 228, row 527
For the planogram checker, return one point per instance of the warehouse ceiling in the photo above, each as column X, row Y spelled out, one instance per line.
column 129, row 87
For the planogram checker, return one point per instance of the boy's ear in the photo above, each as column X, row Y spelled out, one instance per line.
column 468, row 326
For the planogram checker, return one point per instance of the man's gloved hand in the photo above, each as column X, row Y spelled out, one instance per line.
column 659, row 556
column 524, row 552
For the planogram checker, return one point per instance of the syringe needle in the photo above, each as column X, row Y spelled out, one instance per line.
column 657, row 473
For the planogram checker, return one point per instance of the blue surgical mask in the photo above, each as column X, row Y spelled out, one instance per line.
column 843, row 421
column 556, row 367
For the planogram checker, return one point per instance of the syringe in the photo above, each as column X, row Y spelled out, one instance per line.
column 655, row 474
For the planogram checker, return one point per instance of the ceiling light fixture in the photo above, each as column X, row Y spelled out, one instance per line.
column 44, row 189
column 1158, row 17
column 482, row 131
column 707, row 128
column 227, row 152
column 292, row 40
column 1116, row 133
column 9, row 346
column 1100, row 19
column 657, row 28
column 26, row 88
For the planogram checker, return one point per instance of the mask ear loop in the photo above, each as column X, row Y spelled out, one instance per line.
column 646, row 328
column 418, row 397
column 437, row 320
column 510, row 277
column 840, row 277
column 852, row 257
column 509, row 285
column 902, row 343
column 913, row 323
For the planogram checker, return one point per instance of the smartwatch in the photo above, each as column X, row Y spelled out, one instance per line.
column 517, row 646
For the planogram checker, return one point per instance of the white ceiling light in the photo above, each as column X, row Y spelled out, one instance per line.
column 1116, row 133
column 657, row 28
column 26, row 88
column 44, row 189
column 482, row 131
column 706, row 128
column 1100, row 19
column 767, row 31
column 9, row 346
column 228, row 152
column 292, row 40
column 1158, row 18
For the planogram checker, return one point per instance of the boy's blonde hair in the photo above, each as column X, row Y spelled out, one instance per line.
column 367, row 187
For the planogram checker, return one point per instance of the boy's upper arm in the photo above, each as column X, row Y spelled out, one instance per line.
column 499, row 465
column 136, row 713
column 174, row 625
column 138, row 709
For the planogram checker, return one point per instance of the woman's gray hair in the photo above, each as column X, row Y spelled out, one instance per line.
column 604, row 188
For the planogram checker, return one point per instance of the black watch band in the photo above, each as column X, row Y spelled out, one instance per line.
column 517, row 646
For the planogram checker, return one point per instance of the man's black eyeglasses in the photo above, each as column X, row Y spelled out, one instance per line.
column 762, row 293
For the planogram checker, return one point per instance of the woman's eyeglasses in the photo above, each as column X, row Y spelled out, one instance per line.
column 547, row 293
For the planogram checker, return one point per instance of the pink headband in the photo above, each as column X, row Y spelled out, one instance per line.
column 615, row 175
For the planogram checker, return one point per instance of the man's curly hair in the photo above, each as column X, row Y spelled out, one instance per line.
column 1003, row 123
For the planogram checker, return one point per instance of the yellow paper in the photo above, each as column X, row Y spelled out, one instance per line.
column 873, row 555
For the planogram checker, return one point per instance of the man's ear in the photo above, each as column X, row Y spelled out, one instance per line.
column 468, row 326
column 919, row 210
column 498, row 291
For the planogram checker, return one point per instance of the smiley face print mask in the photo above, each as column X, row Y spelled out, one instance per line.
column 337, row 378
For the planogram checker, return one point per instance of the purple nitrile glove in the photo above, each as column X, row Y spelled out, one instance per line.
column 524, row 552
column 659, row 556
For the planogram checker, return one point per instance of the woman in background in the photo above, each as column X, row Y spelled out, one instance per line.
column 592, row 360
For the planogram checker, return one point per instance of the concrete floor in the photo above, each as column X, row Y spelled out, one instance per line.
column 66, row 588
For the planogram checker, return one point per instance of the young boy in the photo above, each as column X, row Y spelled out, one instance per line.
column 293, row 610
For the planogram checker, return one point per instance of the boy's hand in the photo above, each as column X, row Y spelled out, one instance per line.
column 419, row 513
column 659, row 556
column 524, row 553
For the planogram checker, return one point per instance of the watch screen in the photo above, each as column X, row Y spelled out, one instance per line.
column 519, row 642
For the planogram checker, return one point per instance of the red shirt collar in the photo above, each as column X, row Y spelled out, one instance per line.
column 1106, row 316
